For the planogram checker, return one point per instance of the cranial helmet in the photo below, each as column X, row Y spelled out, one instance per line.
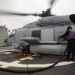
column 69, row 27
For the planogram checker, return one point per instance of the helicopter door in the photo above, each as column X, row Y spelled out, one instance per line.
column 20, row 33
column 47, row 35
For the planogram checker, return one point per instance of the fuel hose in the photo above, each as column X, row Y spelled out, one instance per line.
column 33, row 71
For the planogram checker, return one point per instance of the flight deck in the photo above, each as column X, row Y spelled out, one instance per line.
column 11, row 58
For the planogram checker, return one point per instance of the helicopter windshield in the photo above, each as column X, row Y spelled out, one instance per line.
column 12, row 33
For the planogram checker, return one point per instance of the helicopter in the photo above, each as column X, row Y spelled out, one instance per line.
column 42, row 35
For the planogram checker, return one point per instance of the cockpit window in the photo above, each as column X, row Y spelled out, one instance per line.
column 12, row 34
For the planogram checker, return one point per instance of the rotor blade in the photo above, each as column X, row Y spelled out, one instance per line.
column 17, row 14
column 52, row 3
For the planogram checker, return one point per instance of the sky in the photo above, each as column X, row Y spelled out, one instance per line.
column 60, row 7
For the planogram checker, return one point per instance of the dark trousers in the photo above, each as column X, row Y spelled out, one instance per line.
column 26, row 49
column 71, row 48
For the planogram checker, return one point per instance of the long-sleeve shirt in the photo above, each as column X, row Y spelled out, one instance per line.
column 70, row 35
column 65, row 34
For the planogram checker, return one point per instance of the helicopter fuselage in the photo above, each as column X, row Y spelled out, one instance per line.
column 43, row 34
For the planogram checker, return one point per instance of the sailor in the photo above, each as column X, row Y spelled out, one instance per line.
column 71, row 42
column 25, row 47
